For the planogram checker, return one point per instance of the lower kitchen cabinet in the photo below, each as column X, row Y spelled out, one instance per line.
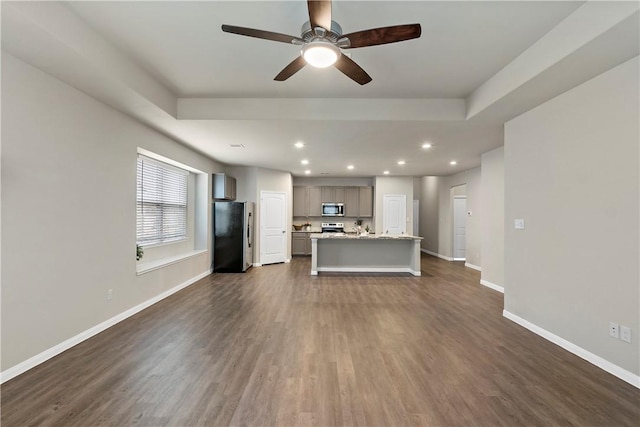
column 300, row 244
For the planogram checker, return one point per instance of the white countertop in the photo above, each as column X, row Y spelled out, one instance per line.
column 338, row 236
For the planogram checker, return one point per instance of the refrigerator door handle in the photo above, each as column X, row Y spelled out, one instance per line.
column 249, row 230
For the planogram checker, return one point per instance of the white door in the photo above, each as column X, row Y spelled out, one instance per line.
column 394, row 214
column 273, row 227
column 459, row 228
column 416, row 217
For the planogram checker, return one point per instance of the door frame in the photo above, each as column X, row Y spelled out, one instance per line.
column 453, row 228
column 384, row 217
column 285, row 235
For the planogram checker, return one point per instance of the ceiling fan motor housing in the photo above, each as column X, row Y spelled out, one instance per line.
column 309, row 34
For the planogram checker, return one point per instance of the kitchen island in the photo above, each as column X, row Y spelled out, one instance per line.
column 374, row 253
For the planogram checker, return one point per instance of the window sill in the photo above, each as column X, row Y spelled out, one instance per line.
column 146, row 267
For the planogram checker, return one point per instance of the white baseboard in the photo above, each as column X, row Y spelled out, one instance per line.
column 458, row 259
column 369, row 270
column 492, row 285
column 598, row 361
column 257, row 264
column 34, row 361
column 475, row 267
column 287, row 261
column 435, row 254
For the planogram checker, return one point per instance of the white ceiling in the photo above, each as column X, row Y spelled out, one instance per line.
column 148, row 58
column 462, row 45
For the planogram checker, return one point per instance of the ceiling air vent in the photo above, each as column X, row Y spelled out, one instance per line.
column 236, row 145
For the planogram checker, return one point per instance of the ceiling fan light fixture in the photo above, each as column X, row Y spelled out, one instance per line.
column 320, row 54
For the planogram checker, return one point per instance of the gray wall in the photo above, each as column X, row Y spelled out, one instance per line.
column 68, row 212
column 430, row 213
column 344, row 181
column 276, row 181
column 392, row 185
column 250, row 182
column 571, row 172
column 492, row 220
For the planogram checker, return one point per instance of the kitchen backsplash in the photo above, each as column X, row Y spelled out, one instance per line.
column 349, row 223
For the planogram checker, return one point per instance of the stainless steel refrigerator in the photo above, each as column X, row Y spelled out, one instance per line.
column 232, row 236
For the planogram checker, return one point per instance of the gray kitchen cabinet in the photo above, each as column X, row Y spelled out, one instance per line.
column 352, row 202
column 332, row 194
column 315, row 201
column 300, row 201
column 307, row 201
column 300, row 244
column 366, row 202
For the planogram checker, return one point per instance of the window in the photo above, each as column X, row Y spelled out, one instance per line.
column 161, row 202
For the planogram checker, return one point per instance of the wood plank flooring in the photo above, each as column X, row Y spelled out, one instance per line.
column 275, row 346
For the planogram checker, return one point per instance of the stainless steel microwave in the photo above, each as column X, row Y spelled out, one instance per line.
column 333, row 209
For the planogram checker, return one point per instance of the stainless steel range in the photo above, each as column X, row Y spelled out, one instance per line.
column 333, row 227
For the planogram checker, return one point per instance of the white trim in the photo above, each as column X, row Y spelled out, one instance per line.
column 492, row 285
column 287, row 261
column 598, row 361
column 475, row 267
column 164, row 159
column 458, row 259
column 446, row 258
column 146, row 267
column 34, row 361
column 368, row 270
column 257, row 264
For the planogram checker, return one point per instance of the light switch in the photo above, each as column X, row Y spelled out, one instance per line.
column 518, row 224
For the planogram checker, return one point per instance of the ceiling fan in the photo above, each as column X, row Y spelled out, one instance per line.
column 322, row 40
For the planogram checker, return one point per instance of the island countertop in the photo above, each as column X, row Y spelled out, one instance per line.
column 361, row 253
column 353, row 236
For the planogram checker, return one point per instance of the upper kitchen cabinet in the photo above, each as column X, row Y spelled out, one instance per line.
column 366, row 202
column 332, row 194
column 352, row 201
column 307, row 201
column 315, row 201
column 300, row 201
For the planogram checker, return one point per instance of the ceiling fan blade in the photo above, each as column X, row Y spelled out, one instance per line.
column 261, row 34
column 384, row 35
column 293, row 67
column 320, row 13
column 352, row 70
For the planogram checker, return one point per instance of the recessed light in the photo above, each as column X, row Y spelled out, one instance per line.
column 299, row 144
column 453, row 163
column 350, row 167
column 386, row 172
column 401, row 162
column 304, row 162
column 426, row 145
column 307, row 172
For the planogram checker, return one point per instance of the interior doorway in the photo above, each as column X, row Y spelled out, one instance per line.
column 459, row 228
column 394, row 213
column 273, row 227
column 416, row 217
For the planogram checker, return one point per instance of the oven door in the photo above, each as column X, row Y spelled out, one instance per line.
column 332, row 209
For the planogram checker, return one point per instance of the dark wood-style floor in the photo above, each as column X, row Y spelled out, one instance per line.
column 275, row 346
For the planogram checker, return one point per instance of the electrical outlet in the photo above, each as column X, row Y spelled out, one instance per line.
column 614, row 330
column 625, row 333
column 109, row 294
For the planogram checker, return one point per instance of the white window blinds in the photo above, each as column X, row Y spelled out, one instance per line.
column 161, row 202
